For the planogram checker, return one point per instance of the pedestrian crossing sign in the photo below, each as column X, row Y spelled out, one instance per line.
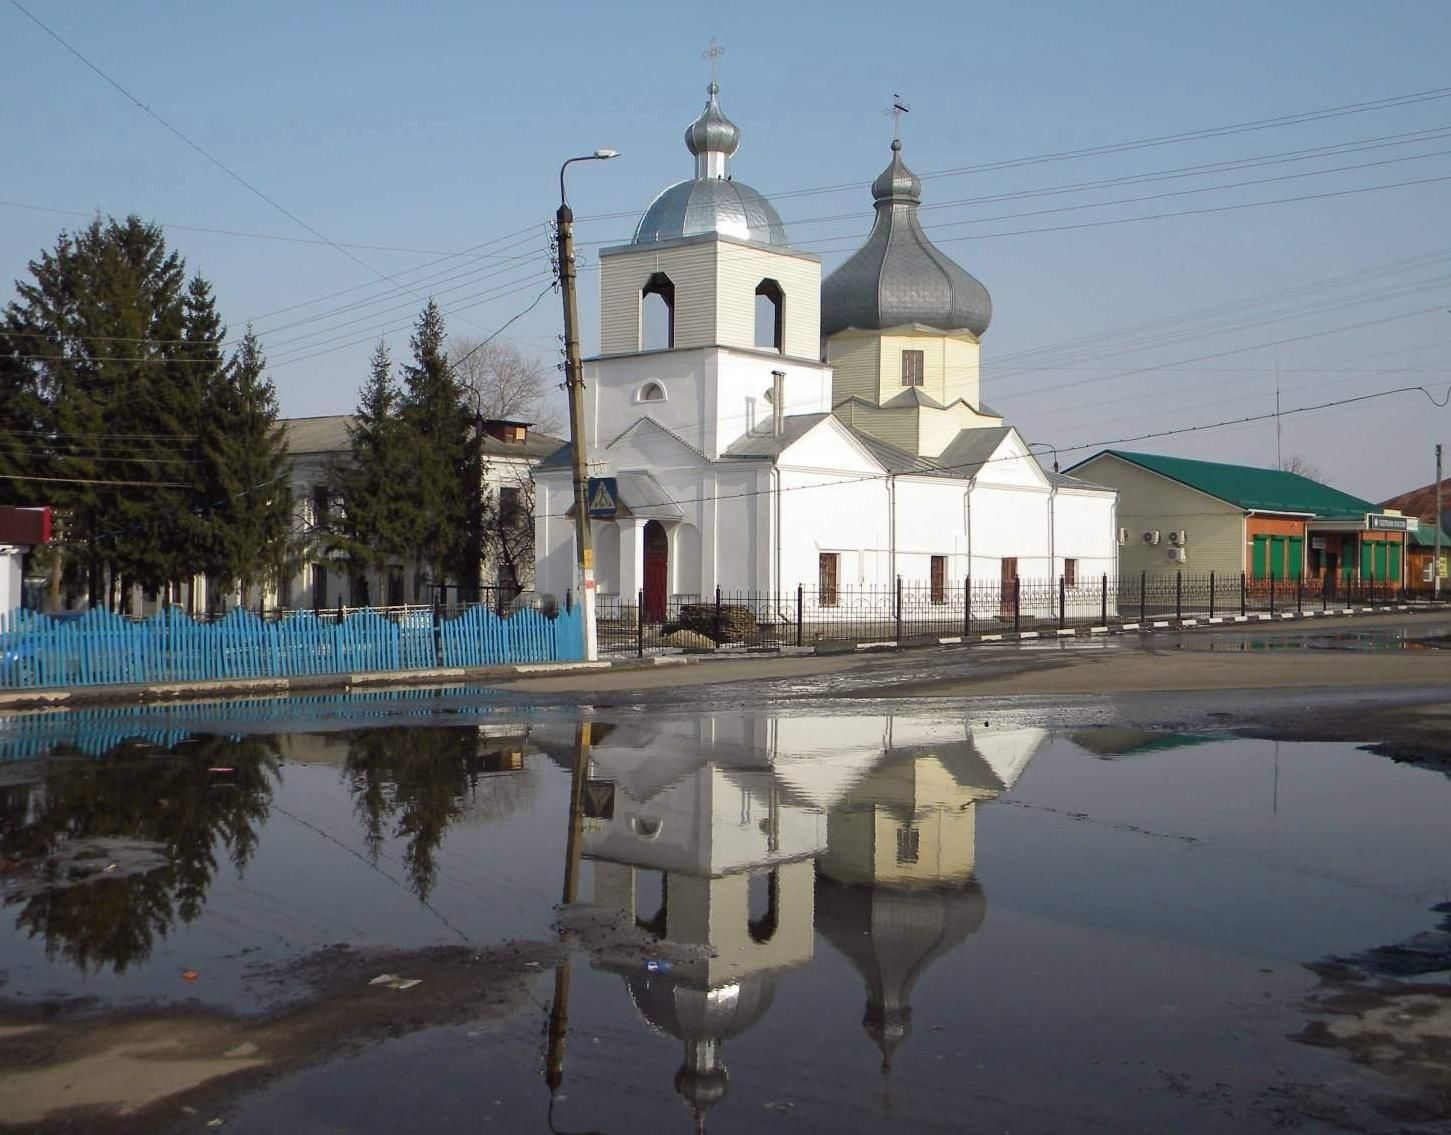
column 603, row 497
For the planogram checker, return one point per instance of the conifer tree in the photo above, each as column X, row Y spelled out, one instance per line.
column 372, row 523
column 442, row 515
column 249, row 510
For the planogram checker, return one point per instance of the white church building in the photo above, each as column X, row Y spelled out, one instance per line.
column 754, row 428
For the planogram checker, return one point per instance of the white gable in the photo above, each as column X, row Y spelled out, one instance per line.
column 1012, row 464
column 829, row 445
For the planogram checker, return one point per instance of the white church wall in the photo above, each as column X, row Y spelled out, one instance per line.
column 613, row 388
column 741, row 382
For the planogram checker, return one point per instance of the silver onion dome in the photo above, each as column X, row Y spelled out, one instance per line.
column 711, row 201
column 899, row 276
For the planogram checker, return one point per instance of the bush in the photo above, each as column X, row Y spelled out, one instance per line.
column 737, row 624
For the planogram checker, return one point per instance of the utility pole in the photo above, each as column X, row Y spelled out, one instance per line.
column 574, row 384
column 1436, row 560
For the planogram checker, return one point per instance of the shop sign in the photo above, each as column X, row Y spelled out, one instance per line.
column 1375, row 522
column 1319, row 543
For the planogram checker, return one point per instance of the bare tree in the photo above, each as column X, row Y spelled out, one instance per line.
column 508, row 531
column 500, row 381
column 1297, row 464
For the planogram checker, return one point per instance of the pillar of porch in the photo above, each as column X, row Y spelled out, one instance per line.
column 632, row 559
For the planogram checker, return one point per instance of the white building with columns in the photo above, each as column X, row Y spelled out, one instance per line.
column 753, row 428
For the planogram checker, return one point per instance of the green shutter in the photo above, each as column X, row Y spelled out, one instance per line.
column 1380, row 561
column 1367, row 561
column 1257, row 557
column 1347, row 559
column 1396, row 563
column 1277, row 557
column 1297, row 558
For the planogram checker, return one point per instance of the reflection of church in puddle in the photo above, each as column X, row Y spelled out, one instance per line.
column 735, row 836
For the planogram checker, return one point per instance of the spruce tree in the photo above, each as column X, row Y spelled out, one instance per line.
column 442, row 513
column 372, row 525
column 248, row 510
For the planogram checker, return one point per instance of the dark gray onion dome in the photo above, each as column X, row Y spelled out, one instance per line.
column 710, row 201
column 690, row 1013
column 891, row 936
column 899, row 276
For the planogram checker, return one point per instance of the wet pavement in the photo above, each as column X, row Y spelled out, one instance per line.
column 858, row 915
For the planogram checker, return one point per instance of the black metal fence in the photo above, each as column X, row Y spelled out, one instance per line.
column 970, row 607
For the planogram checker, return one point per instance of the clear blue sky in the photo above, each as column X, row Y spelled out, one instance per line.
column 438, row 127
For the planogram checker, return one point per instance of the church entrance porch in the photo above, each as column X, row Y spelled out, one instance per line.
column 657, row 572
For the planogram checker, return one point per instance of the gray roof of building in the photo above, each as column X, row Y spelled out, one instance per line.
column 970, row 450
column 1064, row 481
column 913, row 396
column 899, row 276
column 768, row 445
column 328, row 433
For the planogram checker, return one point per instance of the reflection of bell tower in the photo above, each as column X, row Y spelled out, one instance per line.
column 703, row 851
column 895, row 890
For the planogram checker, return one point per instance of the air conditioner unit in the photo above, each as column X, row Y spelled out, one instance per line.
column 1151, row 537
column 1179, row 538
column 1178, row 555
column 1123, row 537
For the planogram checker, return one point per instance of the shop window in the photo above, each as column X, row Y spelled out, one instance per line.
column 770, row 313
column 508, row 505
column 657, row 313
column 914, row 368
column 909, row 845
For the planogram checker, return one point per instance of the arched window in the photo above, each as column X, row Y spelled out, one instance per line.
column 651, row 392
column 657, row 313
column 770, row 316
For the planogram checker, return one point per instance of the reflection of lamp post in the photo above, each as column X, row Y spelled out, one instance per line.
column 574, row 384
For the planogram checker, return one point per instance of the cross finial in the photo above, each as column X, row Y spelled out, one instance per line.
column 896, row 110
column 713, row 54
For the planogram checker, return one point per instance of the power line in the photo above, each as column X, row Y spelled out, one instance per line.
column 226, row 169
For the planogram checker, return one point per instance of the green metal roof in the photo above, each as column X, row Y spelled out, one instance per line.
column 1254, row 490
column 1425, row 537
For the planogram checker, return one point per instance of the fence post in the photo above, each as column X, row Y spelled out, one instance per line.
column 800, row 607
column 437, row 633
column 717, row 616
column 1300, row 594
column 1017, row 604
column 568, row 600
column 1211, row 595
column 1103, row 600
column 899, row 610
column 967, row 607
column 1178, row 596
column 1272, row 593
column 1143, row 596
column 1241, row 594
column 1327, row 581
column 640, row 625
column 1062, row 600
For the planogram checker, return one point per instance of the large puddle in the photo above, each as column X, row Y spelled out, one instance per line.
column 821, row 923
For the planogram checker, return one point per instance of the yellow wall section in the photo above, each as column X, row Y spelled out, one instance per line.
column 1149, row 502
column 715, row 295
column 739, row 269
column 950, row 365
column 855, row 360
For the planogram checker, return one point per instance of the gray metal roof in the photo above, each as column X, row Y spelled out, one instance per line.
column 706, row 205
column 768, row 445
column 970, row 450
column 711, row 202
column 899, row 276
column 328, row 433
column 913, row 396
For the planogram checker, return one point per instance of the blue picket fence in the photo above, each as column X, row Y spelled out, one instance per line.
column 101, row 648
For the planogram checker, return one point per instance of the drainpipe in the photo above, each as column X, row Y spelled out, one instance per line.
column 778, row 402
column 892, row 525
column 776, row 521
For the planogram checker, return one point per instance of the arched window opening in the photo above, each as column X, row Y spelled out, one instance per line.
column 770, row 313
column 651, row 893
column 652, row 392
column 657, row 313
column 763, row 906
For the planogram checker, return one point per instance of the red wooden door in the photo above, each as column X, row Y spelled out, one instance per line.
column 657, row 571
column 1008, row 584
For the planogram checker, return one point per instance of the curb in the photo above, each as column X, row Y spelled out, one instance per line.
column 65, row 697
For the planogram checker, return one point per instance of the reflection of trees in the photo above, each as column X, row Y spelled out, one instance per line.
column 421, row 781
column 171, row 799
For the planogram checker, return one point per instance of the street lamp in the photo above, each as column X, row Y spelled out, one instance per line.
column 574, row 384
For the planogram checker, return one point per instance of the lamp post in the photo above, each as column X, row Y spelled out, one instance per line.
column 574, row 385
